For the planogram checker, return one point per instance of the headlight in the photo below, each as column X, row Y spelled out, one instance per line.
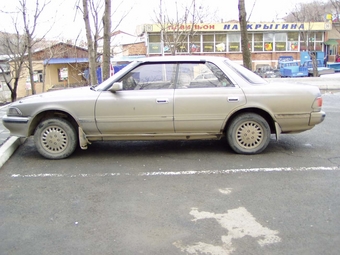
column 13, row 111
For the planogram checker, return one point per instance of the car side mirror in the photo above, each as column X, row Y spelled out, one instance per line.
column 116, row 87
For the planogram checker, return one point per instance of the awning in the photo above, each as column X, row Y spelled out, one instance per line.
column 331, row 42
column 65, row 61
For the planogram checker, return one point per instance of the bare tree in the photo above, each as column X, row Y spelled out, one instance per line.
column 106, row 40
column 92, row 15
column 20, row 46
column 336, row 12
column 29, row 30
column 177, row 29
column 244, row 35
column 308, row 14
column 15, row 50
column 91, row 40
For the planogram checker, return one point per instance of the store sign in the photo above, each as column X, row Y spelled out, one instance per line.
column 269, row 26
column 235, row 26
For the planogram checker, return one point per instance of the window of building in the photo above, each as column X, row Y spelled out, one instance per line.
column 280, row 41
column 234, row 42
column 182, row 44
column 195, row 43
column 208, row 43
column 268, row 39
column 38, row 76
column 318, row 41
column 250, row 41
column 231, row 42
column 258, row 42
column 311, row 41
column 168, row 43
column 62, row 74
column 293, row 41
column 220, row 42
column 318, row 36
column 155, row 44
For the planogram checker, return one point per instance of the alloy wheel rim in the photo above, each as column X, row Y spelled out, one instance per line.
column 249, row 135
column 54, row 139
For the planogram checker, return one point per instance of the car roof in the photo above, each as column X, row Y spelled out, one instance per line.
column 180, row 58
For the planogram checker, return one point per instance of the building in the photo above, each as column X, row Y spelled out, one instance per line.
column 5, row 76
column 332, row 41
column 60, row 65
column 267, row 41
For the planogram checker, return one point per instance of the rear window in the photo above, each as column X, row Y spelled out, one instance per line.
column 245, row 73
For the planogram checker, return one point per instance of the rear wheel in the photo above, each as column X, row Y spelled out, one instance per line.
column 248, row 133
column 55, row 138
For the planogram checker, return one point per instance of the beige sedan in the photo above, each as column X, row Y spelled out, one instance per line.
column 168, row 98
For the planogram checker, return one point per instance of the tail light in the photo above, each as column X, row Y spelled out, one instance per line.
column 317, row 103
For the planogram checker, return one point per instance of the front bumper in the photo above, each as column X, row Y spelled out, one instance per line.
column 18, row 126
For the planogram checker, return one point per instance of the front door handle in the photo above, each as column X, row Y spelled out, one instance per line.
column 233, row 99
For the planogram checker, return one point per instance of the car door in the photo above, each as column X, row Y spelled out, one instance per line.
column 145, row 105
column 204, row 97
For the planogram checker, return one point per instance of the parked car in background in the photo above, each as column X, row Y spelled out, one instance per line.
column 168, row 98
column 292, row 69
column 266, row 71
column 322, row 70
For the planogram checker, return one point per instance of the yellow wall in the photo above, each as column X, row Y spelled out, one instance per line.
column 51, row 77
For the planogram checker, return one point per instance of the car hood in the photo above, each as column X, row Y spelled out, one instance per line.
column 69, row 100
column 59, row 94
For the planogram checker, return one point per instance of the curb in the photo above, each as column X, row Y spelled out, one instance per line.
column 9, row 147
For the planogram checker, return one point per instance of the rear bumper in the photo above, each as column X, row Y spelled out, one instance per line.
column 316, row 118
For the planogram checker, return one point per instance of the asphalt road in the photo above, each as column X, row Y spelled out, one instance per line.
column 177, row 197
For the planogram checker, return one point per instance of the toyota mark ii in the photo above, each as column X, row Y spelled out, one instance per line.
column 168, row 98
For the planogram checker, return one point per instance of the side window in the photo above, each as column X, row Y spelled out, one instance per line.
column 150, row 76
column 201, row 75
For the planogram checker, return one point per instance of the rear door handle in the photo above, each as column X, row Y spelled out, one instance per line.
column 162, row 101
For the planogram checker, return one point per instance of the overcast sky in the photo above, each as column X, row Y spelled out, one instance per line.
column 67, row 20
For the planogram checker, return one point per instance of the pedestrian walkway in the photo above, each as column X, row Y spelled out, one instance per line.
column 8, row 144
column 4, row 133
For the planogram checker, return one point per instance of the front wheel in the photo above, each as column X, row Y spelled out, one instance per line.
column 55, row 138
column 248, row 133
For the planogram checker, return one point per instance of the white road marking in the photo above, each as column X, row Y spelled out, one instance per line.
column 175, row 173
column 239, row 223
column 225, row 191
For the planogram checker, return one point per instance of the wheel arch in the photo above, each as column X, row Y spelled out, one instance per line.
column 51, row 114
column 258, row 111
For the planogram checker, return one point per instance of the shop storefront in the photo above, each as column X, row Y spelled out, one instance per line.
column 267, row 41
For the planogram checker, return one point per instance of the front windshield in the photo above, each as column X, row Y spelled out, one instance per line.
column 245, row 73
column 107, row 83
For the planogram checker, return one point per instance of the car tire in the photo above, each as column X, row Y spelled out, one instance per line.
column 55, row 138
column 248, row 133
